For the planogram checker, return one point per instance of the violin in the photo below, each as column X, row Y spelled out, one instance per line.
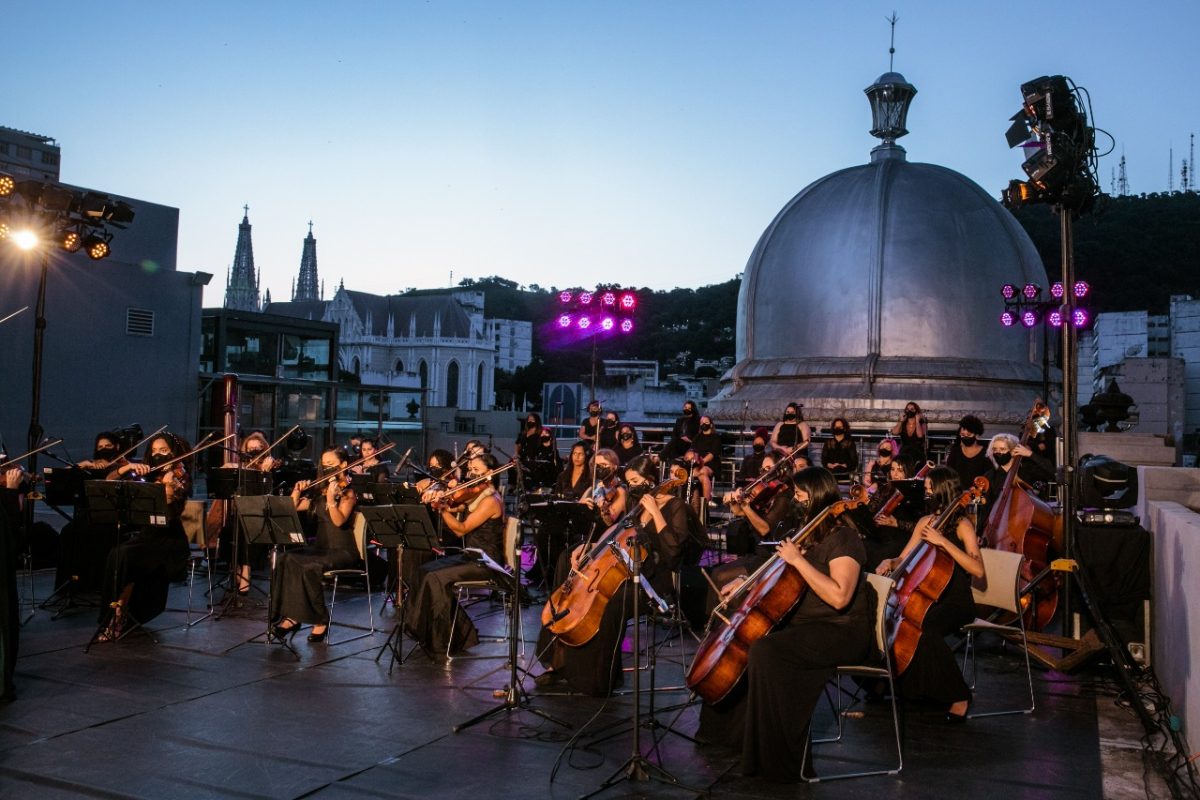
column 467, row 491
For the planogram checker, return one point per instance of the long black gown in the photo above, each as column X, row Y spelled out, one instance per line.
column 151, row 559
column 933, row 674
column 594, row 668
column 298, row 593
column 10, row 614
column 428, row 617
column 766, row 716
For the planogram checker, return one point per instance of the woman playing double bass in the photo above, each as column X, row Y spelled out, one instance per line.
column 766, row 715
column 933, row 674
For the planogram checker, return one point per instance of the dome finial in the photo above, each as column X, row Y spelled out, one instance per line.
column 890, row 97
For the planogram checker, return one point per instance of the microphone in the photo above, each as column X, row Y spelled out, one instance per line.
column 404, row 460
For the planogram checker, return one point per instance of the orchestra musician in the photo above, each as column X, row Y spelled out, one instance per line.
column 756, row 516
column 885, row 535
column 838, row 454
column 371, row 464
column 751, row 466
column 576, row 478
column 766, row 715
column 537, row 453
column 608, row 498
column 933, row 673
column 683, row 434
column 475, row 516
column 253, row 455
column 792, row 433
column 1001, row 450
column 664, row 527
column 11, row 506
column 913, row 433
column 138, row 572
column 967, row 455
column 298, row 597
column 83, row 545
column 590, row 429
column 879, row 469
column 104, row 451
column 708, row 449
column 628, row 446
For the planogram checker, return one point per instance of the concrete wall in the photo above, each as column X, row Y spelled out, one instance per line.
column 95, row 375
column 1185, row 344
column 1157, row 386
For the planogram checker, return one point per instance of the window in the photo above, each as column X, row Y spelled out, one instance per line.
column 139, row 322
column 24, row 152
column 423, row 372
column 49, row 158
column 399, row 367
column 354, row 365
column 452, row 385
column 479, row 387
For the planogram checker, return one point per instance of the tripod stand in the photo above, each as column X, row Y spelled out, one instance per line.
column 515, row 696
column 637, row 767
column 269, row 520
column 403, row 528
column 124, row 504
column 226, row 484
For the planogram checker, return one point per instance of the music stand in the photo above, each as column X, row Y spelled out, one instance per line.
column 64, row 487
column 124, row 504
column 399, row 527
column 269, row 520
column 227, row 483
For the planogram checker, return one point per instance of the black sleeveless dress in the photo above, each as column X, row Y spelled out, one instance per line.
column 297, row 592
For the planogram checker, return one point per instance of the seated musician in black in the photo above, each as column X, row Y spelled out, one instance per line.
column 665, row 527
column 476, row 518
column 839, row 454
column 759, row 517
column 12, row 499
column 766, row 714
column 933, row 673
column 1033, row 470
column 884, row 535
column 138, row 572
column 378, row 467
column 968, row 456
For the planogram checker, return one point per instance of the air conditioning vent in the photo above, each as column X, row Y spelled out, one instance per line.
column 139, row 322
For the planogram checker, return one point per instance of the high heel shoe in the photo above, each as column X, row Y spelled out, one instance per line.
column 282, row 632
column 313, row 636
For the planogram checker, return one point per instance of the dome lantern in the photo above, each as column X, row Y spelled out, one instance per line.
column 890, row 97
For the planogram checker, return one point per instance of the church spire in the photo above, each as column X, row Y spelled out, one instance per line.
column 306, row 287
column 241, row 287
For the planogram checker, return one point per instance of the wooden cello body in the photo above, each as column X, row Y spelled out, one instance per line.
column 1021, row 522
column 767, row 597
column 920, row 581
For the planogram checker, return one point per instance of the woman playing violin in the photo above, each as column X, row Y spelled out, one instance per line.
column 254, row 454
column 608, row 498
column 298, row 598
column 933, row 673
column 137, row 573
column 766, row 716
column 757, row 512
column 664, row 527
column 475, row 516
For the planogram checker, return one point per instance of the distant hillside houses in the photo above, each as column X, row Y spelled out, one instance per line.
column 438, row 341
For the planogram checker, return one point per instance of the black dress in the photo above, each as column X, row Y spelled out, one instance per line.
column 10, row 614
column 843, row 452
column 151, row 559
column 933, row 674
column 707, row 444
column 968, row 467
column 298, row 593
column 428, row 618
column 767, row 714
column 913, row 447
column 594, row 668
column 685, row 427
column 627, row 454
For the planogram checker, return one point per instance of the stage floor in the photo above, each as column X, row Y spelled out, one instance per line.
column 182, row 719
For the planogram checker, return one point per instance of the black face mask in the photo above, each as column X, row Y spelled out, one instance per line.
column 839, row 431
column 157, row 459
column 789, row 416
column 531, row 425
column 1001, row 458
column 105, row 452
column 885, row 453
column 687, row 412
column 802, row 507
column 327, row 470
column 759, row 448
column 909, row 414
column 546, row 440
column 593, row 413
column 636, row 493
column 604, row 472
column 968, row 441
column 626, row 437
column 252, row 454
column 706, row 428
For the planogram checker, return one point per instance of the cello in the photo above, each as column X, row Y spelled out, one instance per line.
column 574, row 609
column 920, row 580
column 770, row 593
column 897, row 497
column 1021, row 522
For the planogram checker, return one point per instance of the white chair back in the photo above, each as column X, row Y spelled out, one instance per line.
column 512, row 538
column 360, row 535
column 193, row 521
column 999, row 585
column 883, row 590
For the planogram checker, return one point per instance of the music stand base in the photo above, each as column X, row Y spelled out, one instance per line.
column 514, row 700
column 639, row 769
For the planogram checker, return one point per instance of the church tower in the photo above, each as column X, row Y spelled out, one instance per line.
column 306, row 287
column 241, row 283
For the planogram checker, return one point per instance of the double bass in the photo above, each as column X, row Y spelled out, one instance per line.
column 574, row 609
column 770, row 593
column 921, row 578
column 1021, row 522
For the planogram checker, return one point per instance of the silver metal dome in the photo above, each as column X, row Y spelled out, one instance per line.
column 880, row 284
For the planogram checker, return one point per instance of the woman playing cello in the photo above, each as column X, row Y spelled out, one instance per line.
column 933, row 674
column 766, row 715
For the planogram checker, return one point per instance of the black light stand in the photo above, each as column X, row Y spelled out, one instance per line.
column 637, row 767
column 515, row 696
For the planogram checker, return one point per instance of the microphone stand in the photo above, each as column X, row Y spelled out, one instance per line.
column 515, row 696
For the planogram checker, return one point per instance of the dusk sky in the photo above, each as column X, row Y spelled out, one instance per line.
column 556, row 143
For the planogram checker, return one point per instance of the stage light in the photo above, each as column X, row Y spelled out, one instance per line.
column 1080, row 317
column 1008, row 291
column 94, row 206
column 628, row 301
column 122, row 214
column 1029, row 318
column 25, row 239
column 564, row 321
column 1031, row 291
column 1081, row 289
column 96, row 246
column 7, row 184
column 626, row 326
column 607, row 323
column 609, row 299
column 585, row 298
column 56, row 199
column 70, row 240
column 1056, row 290
column 1008, row 319
column 3, row 230
column 564, row 297
column 585, row 322
column 1055, row 318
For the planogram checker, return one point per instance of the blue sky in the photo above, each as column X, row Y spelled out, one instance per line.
column 557, row 143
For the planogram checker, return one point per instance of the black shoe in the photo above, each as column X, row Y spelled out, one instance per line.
column 318, row 637
column 958, row 719
column 282, row 632
column 548, row 678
